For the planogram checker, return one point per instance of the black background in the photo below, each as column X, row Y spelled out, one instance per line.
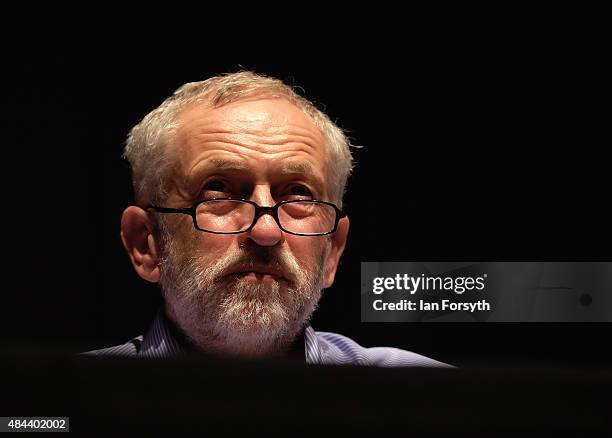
column 472, row 150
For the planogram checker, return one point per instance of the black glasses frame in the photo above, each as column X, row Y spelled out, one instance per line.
column 259, row 210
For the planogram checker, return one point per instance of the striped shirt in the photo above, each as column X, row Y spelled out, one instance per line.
column 322, row 348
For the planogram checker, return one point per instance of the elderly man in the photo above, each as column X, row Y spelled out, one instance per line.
column 239, row 183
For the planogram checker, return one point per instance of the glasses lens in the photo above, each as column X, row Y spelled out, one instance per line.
column 225, row 216
column 307, row 217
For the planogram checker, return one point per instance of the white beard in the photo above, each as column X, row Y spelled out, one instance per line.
column 232, row 315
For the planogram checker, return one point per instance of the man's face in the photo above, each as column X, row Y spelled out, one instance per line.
column 249, row 293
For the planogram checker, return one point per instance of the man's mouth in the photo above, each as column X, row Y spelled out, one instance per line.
column 258, row 276
column 258, row 272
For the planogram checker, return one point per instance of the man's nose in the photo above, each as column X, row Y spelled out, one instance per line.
column 266, row 231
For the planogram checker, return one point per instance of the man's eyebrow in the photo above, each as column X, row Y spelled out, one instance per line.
column 223, row 164
column 305, row 169
column 300, row 169
column 287, row 168
column 211, row 166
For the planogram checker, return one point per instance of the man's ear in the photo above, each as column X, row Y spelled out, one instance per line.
column 338, row 242
column 139, row 242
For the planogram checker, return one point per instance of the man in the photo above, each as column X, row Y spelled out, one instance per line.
column 239, row 183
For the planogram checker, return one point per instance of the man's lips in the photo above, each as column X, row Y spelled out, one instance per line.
column 258, row 270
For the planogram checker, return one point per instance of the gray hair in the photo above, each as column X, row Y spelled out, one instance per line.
column 147, row 147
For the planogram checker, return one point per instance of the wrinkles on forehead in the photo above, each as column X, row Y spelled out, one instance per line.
column 236, row 137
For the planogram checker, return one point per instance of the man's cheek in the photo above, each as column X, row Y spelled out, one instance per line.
column 217, row 245
column 300, row 249
column 311, row 252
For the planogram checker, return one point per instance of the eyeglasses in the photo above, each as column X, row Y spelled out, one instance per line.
column 234, row 216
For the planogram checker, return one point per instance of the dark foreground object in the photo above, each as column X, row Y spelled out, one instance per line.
column 109, row 396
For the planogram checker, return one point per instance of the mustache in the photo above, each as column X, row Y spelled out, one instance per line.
column 257, row 257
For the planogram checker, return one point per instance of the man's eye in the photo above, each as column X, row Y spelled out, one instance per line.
column 299, row 192
column 215, row 189
column 216, row 185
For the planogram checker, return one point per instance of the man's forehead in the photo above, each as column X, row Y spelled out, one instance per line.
column 269, row 125
column 264, row 115
column 243, row 135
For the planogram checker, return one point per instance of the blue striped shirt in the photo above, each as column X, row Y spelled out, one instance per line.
column 322, row 348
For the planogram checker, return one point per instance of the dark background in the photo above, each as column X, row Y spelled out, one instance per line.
column 472, row 150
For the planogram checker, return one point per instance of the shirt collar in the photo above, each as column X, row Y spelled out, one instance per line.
column 158, row 341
